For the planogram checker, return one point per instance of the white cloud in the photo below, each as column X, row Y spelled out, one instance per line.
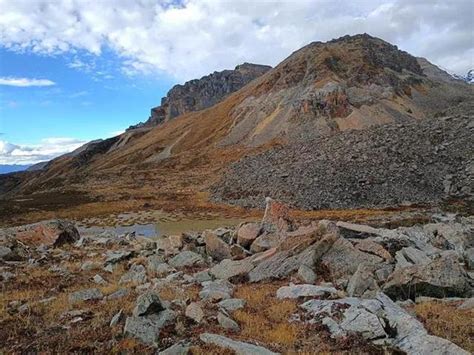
column 191, row 38
column 47, row 149
column 25, row 82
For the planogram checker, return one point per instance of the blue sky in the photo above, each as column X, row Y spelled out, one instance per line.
column 91, row 97
column 73, row 71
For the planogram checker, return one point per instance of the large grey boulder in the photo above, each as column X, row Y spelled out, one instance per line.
column 228, row 269
column 227, row 322
column 379, row 320
column 113, row 257
column 306, row 274
column 363, row 282
column 239, row 347
column 89, row 294
column 343, row 259
column 442, row 277
column 232, row 304
column 216, row 290
column 469, row 258
column 148, row 303
column 186, row 258
column 147, row 329
column 296, row 291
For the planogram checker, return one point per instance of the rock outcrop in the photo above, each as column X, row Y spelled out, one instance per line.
column 199, row 94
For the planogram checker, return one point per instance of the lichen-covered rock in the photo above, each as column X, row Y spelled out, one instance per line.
column 228, row 269
column 442, row 277
column 216, row 290
column 148, row 303
column 186, row 258
column 379, row 320
column 89, row 294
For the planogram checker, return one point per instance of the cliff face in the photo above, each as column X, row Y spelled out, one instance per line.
column 199, row 94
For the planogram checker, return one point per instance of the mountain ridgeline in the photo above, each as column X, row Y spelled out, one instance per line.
column 353, row 122
column 199, row 94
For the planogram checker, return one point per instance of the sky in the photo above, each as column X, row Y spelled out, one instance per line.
column 77, row 70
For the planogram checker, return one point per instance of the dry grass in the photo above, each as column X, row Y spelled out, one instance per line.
column 265, row 318
column 448, row 322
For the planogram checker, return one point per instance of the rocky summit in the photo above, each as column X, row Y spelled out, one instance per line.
column 202, row 93
column 273, row 286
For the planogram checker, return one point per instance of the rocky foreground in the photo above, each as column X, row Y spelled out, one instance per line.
column 277, row 286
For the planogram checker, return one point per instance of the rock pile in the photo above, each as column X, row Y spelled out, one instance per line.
column 348, row 279
column 394, row 164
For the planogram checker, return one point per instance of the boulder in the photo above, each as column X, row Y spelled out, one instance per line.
column 415, row 256
column 186, row 258
column 136, row 275
column 89, row 294
column 282, row 264
column 363, row 283
column 99, row 280
column 194, row 312
column 239, row 347
column 371, row 247
column 296, row 291
column 442, row 277
column 276, row 218
column 238, row 252
column 170, row 245
column 216, row 290
column 232, row 304
column 120, row 293
column 144, row 329
column 469, row 258
column 202, row 276
column 148, row 303
column 342, row 259
column 227, row 323
column 265, row 242
column 247, row 233
column 156, row 266
column 147, row 329
column 216, row 247
column 379, row 320
column 53, row 233
column 228, row 269
column 113, row 257
column 306, row 274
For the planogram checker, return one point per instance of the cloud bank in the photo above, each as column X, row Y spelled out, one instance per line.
column 190, row 38
column 25, row 82
column 48, row 149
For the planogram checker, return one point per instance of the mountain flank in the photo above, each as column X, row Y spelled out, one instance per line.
column 350, row 123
